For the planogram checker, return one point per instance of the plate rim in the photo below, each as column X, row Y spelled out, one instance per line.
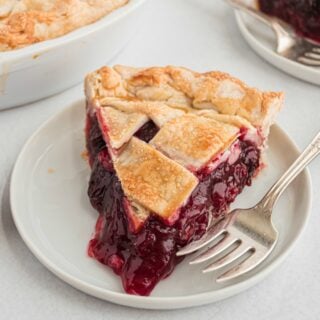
column 302, row 72
column 155, row 303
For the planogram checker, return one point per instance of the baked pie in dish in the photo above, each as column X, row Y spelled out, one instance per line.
column 169, row 150
column 303, row 15
column 24, row 22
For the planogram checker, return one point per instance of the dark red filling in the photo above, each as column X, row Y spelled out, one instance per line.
column 142, row 259
column 303, row 15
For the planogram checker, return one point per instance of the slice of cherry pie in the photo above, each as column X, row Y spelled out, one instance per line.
column 303, row 15
column 169, row 149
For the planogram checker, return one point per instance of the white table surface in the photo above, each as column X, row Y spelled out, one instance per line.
column 202, row 35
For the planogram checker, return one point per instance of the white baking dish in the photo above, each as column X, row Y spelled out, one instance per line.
column 45, row 68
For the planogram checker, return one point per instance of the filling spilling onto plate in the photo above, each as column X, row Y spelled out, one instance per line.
column 303, row 15
column 24, row 22
column 169, row 149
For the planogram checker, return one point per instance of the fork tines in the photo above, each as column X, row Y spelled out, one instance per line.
column 311, row 58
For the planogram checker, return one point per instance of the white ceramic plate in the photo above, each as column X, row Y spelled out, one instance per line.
column 53, row 215
column 262, row 41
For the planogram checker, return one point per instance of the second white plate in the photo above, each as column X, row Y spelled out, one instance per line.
column 262, row 41
column 54, row 217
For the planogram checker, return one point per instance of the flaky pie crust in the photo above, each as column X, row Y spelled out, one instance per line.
column 153, row 90
column 199, row 116
column 24, row 22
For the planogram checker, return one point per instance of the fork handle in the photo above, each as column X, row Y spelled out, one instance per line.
column 273, row 23
column 311, row 151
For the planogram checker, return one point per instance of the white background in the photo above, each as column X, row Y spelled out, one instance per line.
column 202, row 35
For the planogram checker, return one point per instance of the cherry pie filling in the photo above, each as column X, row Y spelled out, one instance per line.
column 303, row 15
column 143, row 257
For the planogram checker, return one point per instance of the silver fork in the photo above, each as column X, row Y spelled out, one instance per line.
column 246, row 237
column 289, row 44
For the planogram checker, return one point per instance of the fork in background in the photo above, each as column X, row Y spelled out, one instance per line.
column 289, row 44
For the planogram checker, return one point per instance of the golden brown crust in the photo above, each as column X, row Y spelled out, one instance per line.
column 153, row 180
column 180, row 88
column 158, row 112
column 118, row 127
column 193, row 141
column 198, row 115
column 24, row 22
column 236, row 121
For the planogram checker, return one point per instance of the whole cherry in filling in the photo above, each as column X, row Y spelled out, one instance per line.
column 143, row 257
